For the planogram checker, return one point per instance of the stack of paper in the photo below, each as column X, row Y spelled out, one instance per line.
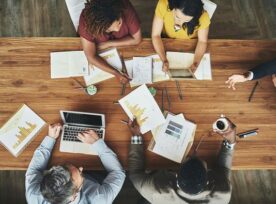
column 174, row 138
column 155, row 73
column 68, row 64
column 146, row 111
column 97, row 75
column 20, row 130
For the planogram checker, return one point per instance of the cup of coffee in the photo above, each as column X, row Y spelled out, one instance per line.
column 221, row 124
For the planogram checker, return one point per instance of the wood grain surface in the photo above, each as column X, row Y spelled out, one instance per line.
column 25, row 78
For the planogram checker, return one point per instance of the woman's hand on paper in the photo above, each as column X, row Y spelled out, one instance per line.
column 166, row 66
column 193, row 67
column 123, row 78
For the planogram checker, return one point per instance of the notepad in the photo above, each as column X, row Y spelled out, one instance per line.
column 68, row 64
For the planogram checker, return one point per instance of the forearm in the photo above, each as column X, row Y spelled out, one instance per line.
column 224, row 160
column 126, row 41
column 264, row 69
column 37, row 165
column 41, row 156
column 159, row 47
column 200, row 50
column 100, row 63
column 136, row 159
column 113, row 183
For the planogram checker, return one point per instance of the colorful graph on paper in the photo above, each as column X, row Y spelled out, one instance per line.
column 20, row 129
column 141, row 105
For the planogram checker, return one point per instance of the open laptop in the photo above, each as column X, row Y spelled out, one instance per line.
column 76, row 122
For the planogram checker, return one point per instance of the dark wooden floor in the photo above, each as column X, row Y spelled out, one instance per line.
column 234, row 19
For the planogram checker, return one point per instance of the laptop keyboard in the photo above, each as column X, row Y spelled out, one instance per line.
column 71, row 133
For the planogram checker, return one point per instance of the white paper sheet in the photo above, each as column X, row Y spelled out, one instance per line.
column 172, row 139
column 20, row 130
column 68, row 64
column 142, row 70
column 75, row 8
column 141, row 105
column 97, row 75
column 181, row 60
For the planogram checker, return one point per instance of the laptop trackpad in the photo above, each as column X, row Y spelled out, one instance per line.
column 83, row 148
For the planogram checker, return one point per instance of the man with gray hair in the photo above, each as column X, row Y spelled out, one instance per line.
column 66, row 184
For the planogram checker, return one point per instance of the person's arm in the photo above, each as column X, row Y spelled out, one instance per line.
column 201, row 47
column 39, row 161
column 262, row 70
column 129, row 40
column 265, row 69
column 114, row 181
column 157, row 43
column 93, row 58
column 143, row 182
column 225, row 156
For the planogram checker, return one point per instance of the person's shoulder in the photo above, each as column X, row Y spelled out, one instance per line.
column 204, row 20
column 163, row 3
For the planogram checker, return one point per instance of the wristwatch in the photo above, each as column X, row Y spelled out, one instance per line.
column 228, row 145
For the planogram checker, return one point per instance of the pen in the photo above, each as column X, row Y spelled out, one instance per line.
column 248, row 133
column 125, row 122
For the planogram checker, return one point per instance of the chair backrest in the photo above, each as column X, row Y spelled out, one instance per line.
column 210, row 7
column 75, row 8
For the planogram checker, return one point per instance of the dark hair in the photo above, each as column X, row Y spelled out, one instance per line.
column 192, row 8
column 192, row 177
column 100, row 14
column 56, row 185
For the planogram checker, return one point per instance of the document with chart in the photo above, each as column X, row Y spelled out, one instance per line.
column 173, row 139
column 141, row 105
column 20, row 129
column 97, row 75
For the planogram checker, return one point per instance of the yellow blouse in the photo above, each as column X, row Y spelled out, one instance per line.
column 162, row 11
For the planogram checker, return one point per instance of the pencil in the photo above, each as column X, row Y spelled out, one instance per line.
column 179, row 90
column 253, row 91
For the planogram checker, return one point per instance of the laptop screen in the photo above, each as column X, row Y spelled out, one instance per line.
column 83, row 119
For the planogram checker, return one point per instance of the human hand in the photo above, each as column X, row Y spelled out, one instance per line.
column 134, row 127
column 88, row 137
column 166, row 66
column 274, row 79
column 230, row 133
column 54, row 130
column 193, row 67
column 236, row 78
column 123, row 78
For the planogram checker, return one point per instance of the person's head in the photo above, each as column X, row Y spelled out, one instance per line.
column 103, row 16
column 192, row 177
column 186, row 13
column 60, row 184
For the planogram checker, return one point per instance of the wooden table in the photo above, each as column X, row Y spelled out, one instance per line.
column 25, row 78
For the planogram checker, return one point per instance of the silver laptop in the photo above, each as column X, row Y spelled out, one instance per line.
column 76, row 122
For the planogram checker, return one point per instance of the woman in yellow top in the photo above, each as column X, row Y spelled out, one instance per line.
column 180, row 19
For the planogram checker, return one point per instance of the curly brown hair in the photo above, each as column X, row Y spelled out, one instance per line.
column 100, row 14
